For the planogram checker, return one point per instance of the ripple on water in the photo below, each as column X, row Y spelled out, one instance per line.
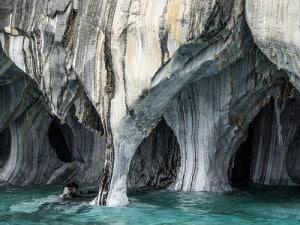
column 33, row 205
column 41, row 205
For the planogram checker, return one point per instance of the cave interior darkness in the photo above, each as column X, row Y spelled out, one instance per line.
column 156, row 160
column 262, row 129
column 5, row 144
column 61, row 139
column 240, row 167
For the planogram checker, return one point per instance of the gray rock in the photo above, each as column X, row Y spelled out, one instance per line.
column 89, row 81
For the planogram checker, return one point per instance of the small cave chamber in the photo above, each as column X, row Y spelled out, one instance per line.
column 156, row 160
column 243, row 163
column 5, row 146
column 270, row 154
column 249, row 161
column 61, row 139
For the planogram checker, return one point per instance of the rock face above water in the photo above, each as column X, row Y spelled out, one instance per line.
column 83, row 85
column 276, row 31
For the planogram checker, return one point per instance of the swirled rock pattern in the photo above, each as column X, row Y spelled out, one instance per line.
column 275, row 26
column 89, row 81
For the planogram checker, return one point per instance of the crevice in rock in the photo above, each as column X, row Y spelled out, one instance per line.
column 156, row 160
column 110, row 91
column 240, row 166
column 61, row 139
column 5, row 144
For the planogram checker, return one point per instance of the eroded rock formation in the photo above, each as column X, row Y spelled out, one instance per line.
column 275, row 29
column 79, row 72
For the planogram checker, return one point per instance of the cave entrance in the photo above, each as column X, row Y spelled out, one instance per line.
column 156, row 160
column 241, row 162
column 251, row 162
column 5, row 144
column 61, row 139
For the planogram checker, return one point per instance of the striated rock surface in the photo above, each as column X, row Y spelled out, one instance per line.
column 36, row 155
column 149, row 93
column 276, row 133
column 275, row 26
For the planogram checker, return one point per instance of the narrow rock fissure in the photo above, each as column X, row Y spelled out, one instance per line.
column 61, row 139
column 5, row 144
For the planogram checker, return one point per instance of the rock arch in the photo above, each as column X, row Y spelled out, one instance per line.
column 157, row 159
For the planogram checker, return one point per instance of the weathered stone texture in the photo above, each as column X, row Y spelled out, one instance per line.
column 275, row 26
column 110, row 70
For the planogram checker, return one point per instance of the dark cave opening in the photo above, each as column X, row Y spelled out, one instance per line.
column 156, row 160
column 5, row 144
column 270, row 155
column 239, row 172
column 61, row 139
column 242, row 163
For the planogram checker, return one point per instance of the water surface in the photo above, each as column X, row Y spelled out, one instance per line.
column 254, row 205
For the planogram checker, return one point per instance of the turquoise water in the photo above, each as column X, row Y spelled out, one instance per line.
column 255, row 205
